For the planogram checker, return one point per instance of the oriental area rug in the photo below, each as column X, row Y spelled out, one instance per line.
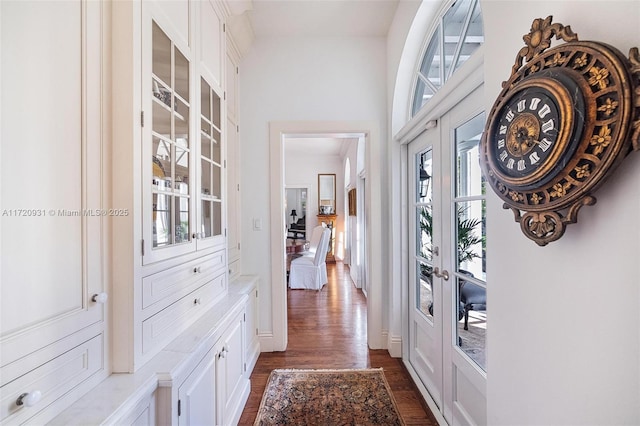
column 328, row 398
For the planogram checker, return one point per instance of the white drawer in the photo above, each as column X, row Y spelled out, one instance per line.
column 178, row 281
column 234, row 268
column 53, row 379
column 161, row 328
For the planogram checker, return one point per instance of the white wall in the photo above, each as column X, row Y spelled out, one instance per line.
column 302, row 171
column 324, row 79
column 564, row 320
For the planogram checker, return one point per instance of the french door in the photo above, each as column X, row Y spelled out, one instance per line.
column 447, row 281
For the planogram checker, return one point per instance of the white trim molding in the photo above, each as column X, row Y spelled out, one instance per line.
column 371, row 131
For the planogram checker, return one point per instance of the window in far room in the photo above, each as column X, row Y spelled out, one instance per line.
column 458, row 34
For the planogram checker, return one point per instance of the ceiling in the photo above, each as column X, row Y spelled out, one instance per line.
column 317, row 146
column 317, row 18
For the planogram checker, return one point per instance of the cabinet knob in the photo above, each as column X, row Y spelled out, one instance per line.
column 197, row 270
column 194, row 236
column 197, row 301
column 100, row 297
column 29, row 399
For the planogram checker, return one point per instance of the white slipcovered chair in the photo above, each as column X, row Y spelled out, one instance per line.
column 316, row 233
column 309, row 272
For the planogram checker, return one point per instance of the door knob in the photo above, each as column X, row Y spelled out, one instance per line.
column 444, row 274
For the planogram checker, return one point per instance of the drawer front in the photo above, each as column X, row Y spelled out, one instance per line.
column 161, row 328
column 178, row 281
column 52, row 379
column 234, row 269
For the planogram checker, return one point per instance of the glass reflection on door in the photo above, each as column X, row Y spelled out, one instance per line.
column 469, row 209
column 424, row 249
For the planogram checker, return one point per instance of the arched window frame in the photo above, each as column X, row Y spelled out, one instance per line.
column 436, row 41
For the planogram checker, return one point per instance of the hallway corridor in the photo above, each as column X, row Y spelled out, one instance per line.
column 327, row 329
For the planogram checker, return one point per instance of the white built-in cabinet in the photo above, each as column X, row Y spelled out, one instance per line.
column 215, row 391
column 171, row 259
column 177, row 337
column 233, row 160
column 54, row 209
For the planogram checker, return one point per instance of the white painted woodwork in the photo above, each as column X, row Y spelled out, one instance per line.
column 234, row 379
column 52, row 379
column 248, row 284
column 211, row 42
column 454, row 382
column 233, row 193
column 178, row 14
column 54, row 234
column 425, row 337
column 154, row 110
column 144, row 414
column 162, row 327
column 197, row 394
column 180, row 280
column 232, row 74
column 159, row 292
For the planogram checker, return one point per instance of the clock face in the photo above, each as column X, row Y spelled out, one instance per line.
column 564, row 120
column 526, row 132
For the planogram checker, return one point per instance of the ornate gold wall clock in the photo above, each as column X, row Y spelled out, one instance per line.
column 563, row 122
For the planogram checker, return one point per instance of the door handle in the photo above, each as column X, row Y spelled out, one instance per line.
column 444, row 274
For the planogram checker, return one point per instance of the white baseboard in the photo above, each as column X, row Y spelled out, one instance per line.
column 266, row 342
column 395, row 346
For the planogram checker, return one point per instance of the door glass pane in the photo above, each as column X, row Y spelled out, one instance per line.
column 170, row 137
column 469, row 209
column 425, row 233
column 216, row 217
column 182, row 75
column 161, row 67
column 161, row 220
column 424, row 165
column 472, row 320
column 206, row 218
column 424, row 290
column 471, row 237
column 206, row 177
column 182, row 219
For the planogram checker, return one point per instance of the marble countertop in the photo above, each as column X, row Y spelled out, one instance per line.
column 116, row 396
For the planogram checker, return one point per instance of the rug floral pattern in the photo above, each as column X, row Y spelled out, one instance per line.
column 328, row 397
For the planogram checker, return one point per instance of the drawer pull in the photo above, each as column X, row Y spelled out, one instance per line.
column 196, row 270
column 100, row 297
column 29, row 399
column 197, row 301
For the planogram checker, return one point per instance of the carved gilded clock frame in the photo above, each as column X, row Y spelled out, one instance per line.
column 549, row 200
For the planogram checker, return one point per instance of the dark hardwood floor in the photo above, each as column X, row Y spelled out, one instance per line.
column 328, row 329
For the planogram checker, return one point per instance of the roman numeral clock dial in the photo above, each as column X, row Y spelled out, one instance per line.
column 562, row 123
column 527, row 130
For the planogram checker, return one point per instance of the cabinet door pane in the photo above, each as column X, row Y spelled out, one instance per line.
column 171, row 146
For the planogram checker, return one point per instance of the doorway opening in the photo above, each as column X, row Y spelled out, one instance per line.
column 281, row 135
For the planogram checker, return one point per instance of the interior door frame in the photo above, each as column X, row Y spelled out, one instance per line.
column 463, row 82
column 278, row 131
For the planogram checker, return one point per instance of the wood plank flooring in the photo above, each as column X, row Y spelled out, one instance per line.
column 328, row 329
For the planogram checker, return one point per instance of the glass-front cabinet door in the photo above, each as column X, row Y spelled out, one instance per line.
column 211, row 166
column 168, row 169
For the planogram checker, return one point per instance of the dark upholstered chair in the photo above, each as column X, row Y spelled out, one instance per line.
column 472, row 298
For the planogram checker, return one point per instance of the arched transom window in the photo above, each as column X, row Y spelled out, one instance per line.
column 458, row 34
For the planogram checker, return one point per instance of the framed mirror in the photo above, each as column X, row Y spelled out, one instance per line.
column 326, row 193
